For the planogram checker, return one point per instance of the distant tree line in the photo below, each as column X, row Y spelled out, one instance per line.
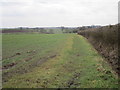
column 49, row 30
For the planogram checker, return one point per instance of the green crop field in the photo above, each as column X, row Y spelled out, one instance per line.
column 53, row 61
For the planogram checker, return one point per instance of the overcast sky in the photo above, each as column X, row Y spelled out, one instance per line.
column 33, row 13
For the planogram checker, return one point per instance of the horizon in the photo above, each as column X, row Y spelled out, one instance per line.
column 53, row 26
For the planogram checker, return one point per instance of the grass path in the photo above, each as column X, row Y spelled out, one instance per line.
column 76, row 65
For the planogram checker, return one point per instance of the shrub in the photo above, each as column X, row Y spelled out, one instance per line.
column 105, row 41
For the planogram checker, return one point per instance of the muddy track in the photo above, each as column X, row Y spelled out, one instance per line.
column 20, row 53
column 20, row 70
column 8, row 66
column 44, row 59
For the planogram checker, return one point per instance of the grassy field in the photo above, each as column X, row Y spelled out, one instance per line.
column 53, row 61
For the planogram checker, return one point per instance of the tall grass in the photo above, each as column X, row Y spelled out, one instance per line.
column 105, row 40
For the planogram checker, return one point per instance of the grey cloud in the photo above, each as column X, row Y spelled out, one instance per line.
column 58, row 12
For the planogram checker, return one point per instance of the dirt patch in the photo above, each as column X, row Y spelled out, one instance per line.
column 52, row 56
column 9, row 65
column 33, row 51
column 72, row 82
column 16, row 54
column 45, row 59
column 78, row 55
column 29, row 58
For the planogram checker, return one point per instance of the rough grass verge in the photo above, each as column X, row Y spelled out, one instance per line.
column 105, row 41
